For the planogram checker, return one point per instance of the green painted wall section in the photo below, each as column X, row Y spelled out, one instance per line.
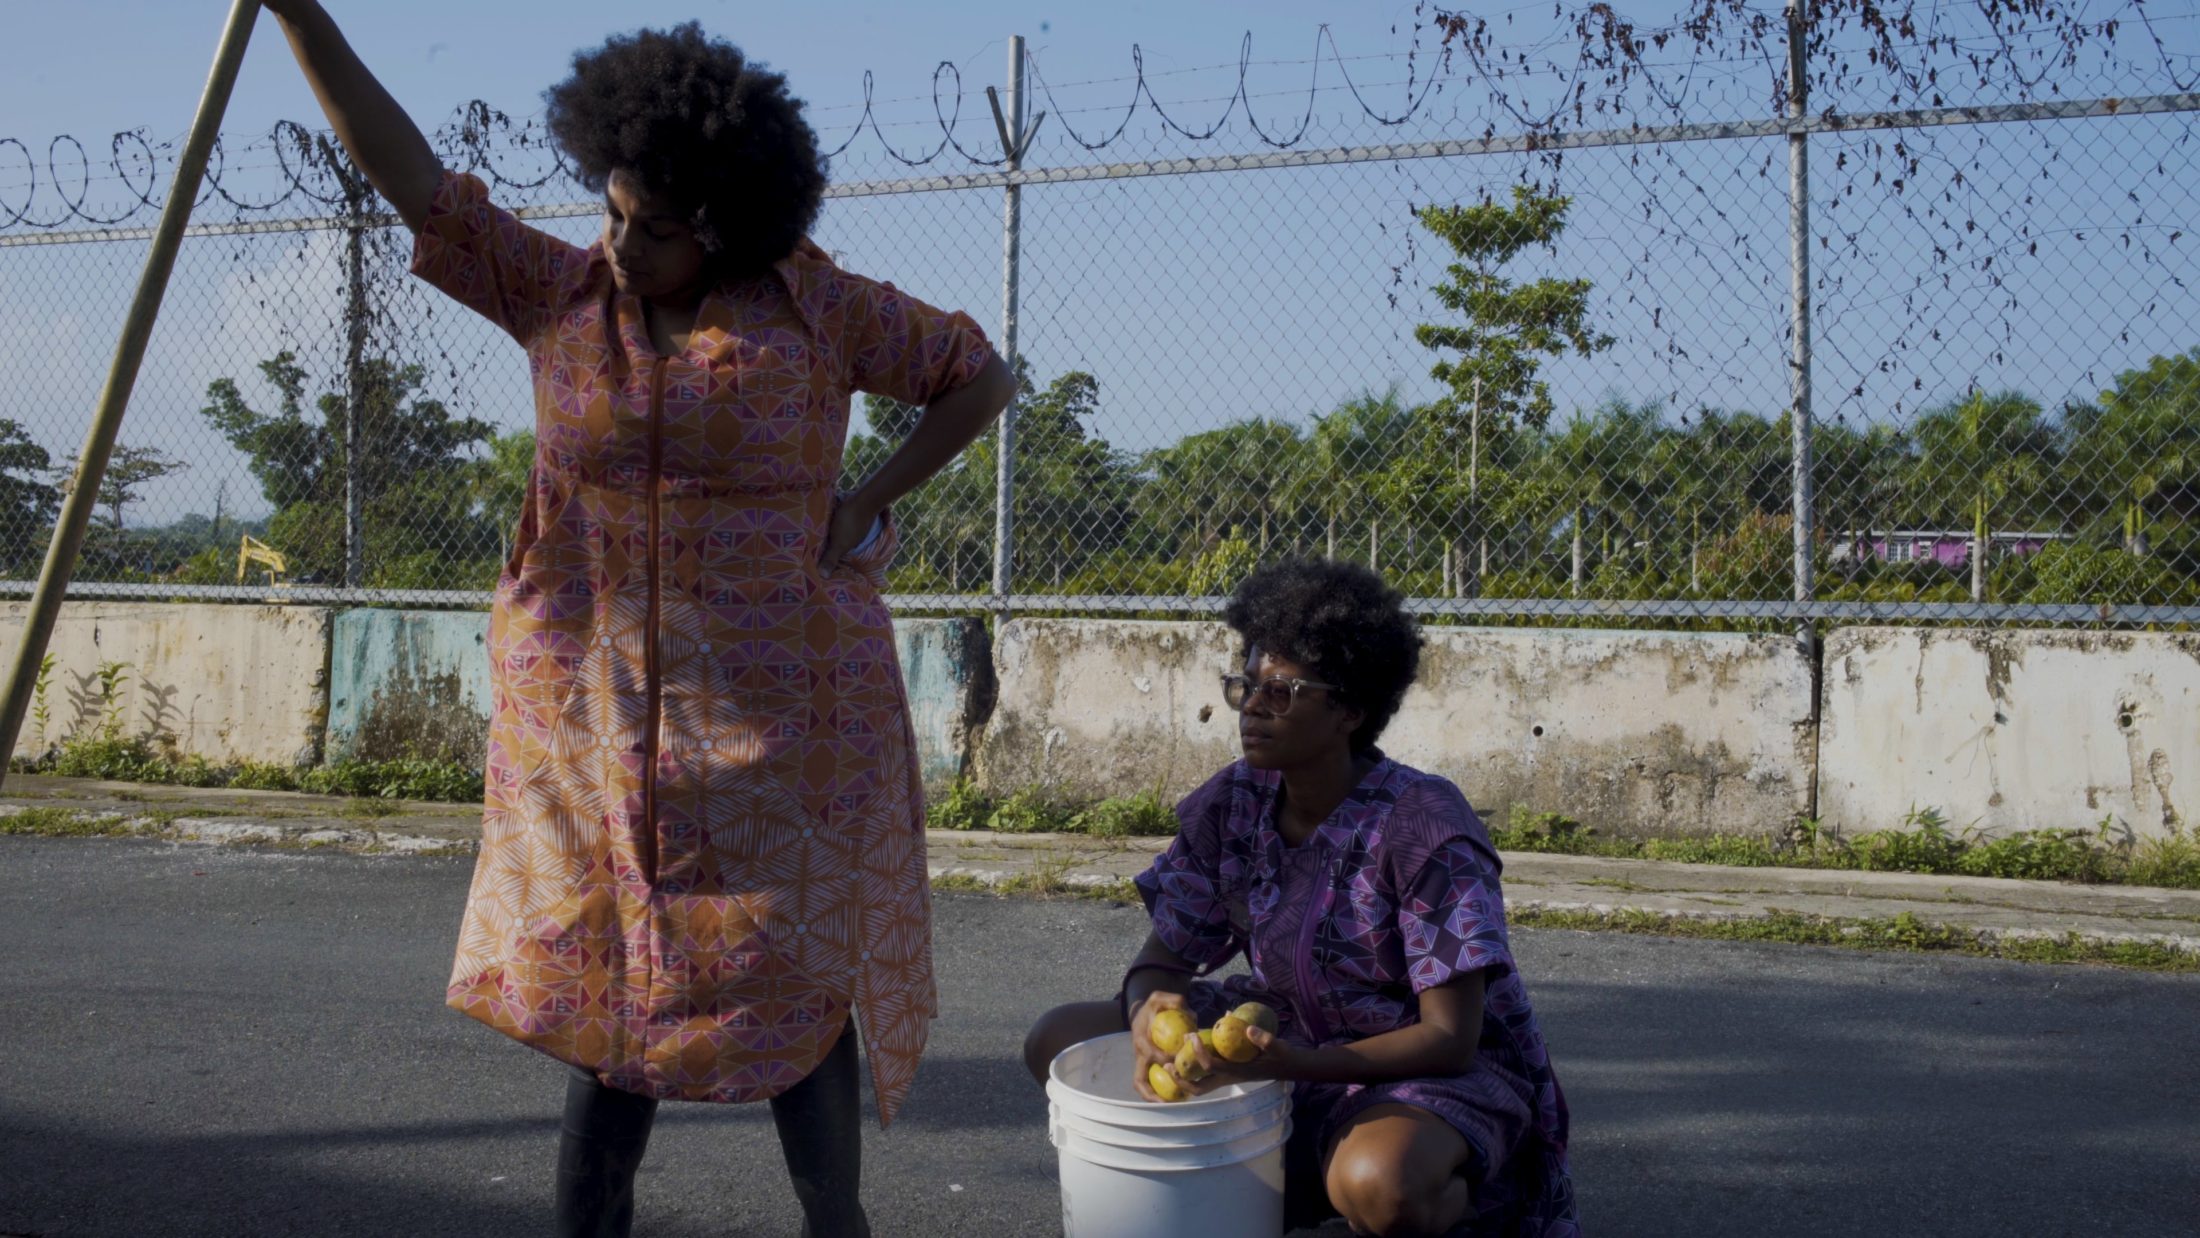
column 417, row 683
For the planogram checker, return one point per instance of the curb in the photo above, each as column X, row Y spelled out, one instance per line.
column 2189, row 943
column 1043, row 864
column 216, row 832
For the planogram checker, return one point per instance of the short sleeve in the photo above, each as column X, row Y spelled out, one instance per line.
column 897, row 346
column 1451, row 909
column 1183, row 889
column 516, row 276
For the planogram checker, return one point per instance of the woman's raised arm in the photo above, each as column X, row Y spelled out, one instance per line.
column 382, row 140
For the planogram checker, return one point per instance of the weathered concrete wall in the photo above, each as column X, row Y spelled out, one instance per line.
column 229, row 683
column 949, row 669
column 418, row 681
column 409, row 682
column 1100, row 707
column 1629, row 732
column 1634, row 733
column 2010, row 730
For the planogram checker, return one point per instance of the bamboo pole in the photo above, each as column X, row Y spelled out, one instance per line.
column 137, row 328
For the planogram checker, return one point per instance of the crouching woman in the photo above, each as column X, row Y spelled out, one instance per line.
column 1364, row 894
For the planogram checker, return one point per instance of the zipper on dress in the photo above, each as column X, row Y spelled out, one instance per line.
column 1310, row 1005
column 646, row 839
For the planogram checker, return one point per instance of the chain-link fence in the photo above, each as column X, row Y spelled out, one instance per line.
column 1518, row 328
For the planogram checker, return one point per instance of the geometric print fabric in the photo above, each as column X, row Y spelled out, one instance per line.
column 1395, row 893
column 702, row 843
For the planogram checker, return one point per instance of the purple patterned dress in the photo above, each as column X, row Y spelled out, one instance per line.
column 1395, row 893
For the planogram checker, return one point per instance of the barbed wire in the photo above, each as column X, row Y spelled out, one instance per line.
column 1589, row 63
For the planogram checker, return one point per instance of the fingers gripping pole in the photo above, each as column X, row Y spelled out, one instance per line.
column 137, row 328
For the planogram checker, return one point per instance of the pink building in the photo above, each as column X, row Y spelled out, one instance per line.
column 1951, row 548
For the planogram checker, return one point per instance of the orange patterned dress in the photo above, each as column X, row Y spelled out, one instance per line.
column 703, row 844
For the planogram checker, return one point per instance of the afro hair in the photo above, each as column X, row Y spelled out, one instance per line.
column 694, row 120
column 1341, row 622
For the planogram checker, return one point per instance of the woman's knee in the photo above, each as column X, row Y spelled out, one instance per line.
column 1042, row 1042
column 1379, row 1196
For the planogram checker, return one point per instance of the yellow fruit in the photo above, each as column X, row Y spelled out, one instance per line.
column 1259, row 1015
column 1187, row 1062
column 1169, row 1028
column 1207, row 1037
column 1231, row 1041
column 1164, row 1084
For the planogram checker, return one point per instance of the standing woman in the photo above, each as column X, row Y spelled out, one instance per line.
column 702, row 865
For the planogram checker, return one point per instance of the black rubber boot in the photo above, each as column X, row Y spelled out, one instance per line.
column 821, row 1133
column 600, row 1145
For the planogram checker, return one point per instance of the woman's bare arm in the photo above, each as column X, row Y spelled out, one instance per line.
column 382, row 140
column 1443, row 1042
column 948, row 425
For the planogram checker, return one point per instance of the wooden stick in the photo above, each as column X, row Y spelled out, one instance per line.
column 137, row 328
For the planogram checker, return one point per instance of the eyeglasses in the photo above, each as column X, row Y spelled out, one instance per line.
column 1276, row 695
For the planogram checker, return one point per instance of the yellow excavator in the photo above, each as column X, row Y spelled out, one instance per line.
column 252, row 550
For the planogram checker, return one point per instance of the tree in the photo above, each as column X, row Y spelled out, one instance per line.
column 1725, row 472
column 1491, row 386
column 1511, row 328
column 1859, row 482
column 500, row 482
column 28, row 501
column 1983, row 462
column 2134, row 459
column 1610, row 462
column 422, row 525
column 1350, row 447
column 891, row 419
column 285, row 452
column 127, row 469
column 1234, row 481
column 1072, row 490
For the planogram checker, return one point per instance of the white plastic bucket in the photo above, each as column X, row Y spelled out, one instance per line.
column 1130, row 1167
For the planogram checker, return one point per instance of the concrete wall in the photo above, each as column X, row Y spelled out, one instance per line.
column 1632, row 732
column 2009, row 730
column 1101, row 707
column 230, row 683
column 1639, row 733
column 405, row 681
column 949, row 669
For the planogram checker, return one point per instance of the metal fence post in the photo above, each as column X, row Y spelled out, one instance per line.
column 1799, row 284
column 1004, row 483
column 356, row 197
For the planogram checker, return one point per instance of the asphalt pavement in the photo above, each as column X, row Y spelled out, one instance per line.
column 1984, row 906
column 220, row 1040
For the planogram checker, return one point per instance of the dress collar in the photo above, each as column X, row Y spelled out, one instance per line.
column 1343, row 823
column 806, row 274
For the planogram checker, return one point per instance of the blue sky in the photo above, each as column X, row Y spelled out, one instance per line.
column 1196, row 300
column 91, row 67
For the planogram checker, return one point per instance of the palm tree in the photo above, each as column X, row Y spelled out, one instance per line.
column 1238, row 479
column 2136, row 455
column 1601, row 471
column 1350, row 447
column 1984, row 461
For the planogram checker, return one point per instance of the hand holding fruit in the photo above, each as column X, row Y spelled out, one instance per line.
column 1177, row 1059
column 1174, row 1018
column 1232, row 1032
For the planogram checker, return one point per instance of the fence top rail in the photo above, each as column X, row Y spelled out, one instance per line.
column 1103, row 604
column 1489, row 144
